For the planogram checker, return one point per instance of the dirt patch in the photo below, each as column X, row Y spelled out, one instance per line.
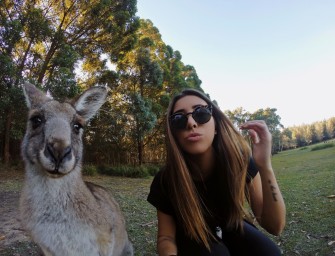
column 13, row 239
column 10, row 228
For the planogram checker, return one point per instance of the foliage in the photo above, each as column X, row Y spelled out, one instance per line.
column 152, row 169
column 147, row 78
column 89, row 170
column 322, row 146
column 46, row 41
column 239, row 116
column 141, row 171
column 304, row 135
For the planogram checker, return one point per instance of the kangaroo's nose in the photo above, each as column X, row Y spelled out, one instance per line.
column 57, row 151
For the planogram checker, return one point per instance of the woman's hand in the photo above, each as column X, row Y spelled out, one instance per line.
column 261, row 143
column 166, row 243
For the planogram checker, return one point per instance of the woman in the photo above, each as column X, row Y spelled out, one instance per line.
column 209, row 173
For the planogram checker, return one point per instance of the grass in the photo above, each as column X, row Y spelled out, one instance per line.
column 306, row 179
column 131, row 193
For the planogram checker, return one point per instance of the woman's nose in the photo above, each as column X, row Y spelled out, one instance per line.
column 191, row 123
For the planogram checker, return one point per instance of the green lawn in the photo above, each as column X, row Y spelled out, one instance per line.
column 307, row 181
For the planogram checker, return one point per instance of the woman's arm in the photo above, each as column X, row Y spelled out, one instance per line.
column 267, row 204
column 166, row 243
column 266, row 199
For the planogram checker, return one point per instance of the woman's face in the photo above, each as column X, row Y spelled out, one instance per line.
column 195, row 138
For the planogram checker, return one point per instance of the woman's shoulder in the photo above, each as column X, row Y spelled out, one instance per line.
column 159, row 181
column 158, row 195
column 159, row 175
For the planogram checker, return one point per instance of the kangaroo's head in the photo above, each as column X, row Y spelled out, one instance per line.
column 53, row 140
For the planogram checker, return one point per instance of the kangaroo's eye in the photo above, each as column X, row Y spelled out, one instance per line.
column 77, row 127
column 36, row 121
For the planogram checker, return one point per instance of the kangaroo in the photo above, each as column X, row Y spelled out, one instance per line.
column 63, row 214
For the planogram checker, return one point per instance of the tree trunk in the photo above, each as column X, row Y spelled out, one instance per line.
column 8, row 123
column 46, row 62
column 140, row 150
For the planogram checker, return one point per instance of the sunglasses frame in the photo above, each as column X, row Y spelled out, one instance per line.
column 208, row 109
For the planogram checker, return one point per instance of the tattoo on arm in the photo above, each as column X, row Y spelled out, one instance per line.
column 273, row 188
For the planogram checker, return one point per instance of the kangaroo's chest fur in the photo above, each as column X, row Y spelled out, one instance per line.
column 65, row 217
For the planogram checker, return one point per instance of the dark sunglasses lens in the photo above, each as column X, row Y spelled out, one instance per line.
column 202, row 115
column 179, row 121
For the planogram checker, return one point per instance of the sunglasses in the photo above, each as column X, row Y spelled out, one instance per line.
column 201, row 115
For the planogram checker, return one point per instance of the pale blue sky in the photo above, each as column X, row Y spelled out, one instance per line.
column 256, row 54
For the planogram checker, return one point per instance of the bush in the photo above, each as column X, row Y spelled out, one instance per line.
column 90, row 170
column 129, row 171
column 142, row 171
column 122, row 170
column 322, row 146
column 152, row 169
column 103, row 169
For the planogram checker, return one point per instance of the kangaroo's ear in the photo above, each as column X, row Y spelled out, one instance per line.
column 90, row 101
column 34, row 97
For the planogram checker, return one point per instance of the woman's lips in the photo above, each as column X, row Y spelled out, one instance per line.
column 193, row 137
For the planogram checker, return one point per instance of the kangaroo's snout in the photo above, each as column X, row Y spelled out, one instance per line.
column 57, row 156
column 58, row 152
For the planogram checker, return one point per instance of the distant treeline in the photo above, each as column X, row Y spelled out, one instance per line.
column 65, row 47
column 287, row 137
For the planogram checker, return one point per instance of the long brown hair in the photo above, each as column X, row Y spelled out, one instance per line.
column 232, row 158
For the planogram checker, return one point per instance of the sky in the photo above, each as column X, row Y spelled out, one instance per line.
column 256, row 53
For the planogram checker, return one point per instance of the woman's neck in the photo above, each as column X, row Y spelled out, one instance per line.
column 205, row 162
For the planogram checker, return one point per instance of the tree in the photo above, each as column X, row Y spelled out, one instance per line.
column 10, row 32
column 325, row 135
column 143, row 121
column 331, row 127
column 141, row 85
column 149, row 75
column 44, row 41
column 238, row 116
column 312, row 135
column 286, row 139
column 191, row 78
column 298, row 136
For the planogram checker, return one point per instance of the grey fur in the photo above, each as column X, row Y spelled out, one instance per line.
column 63, row 214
